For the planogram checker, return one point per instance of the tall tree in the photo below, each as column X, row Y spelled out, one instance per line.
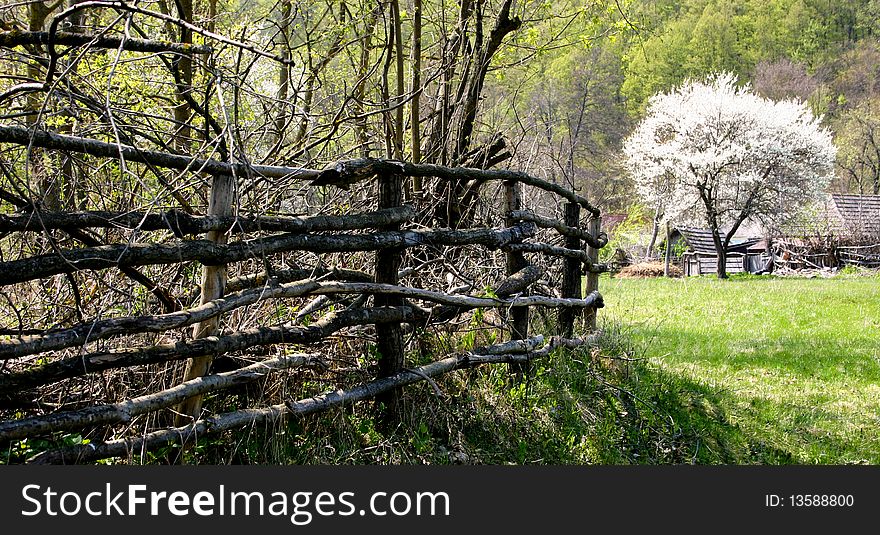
column 858, row 138
column 732, row 154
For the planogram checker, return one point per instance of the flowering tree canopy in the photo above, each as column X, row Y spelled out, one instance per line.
column 713, row 152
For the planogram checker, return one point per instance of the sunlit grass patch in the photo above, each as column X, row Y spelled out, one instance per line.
column 796, row 362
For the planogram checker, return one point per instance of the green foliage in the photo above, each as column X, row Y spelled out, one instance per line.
column 849, row 270
column 701, row 36
column 21, row 450
column 629, row 232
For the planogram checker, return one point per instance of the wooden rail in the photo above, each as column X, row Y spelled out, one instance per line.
column 380, row 299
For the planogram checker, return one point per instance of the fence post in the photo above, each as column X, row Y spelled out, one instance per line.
column 519, row 316
column 594, row 227
column 571, row 275
column 221, row 202
column 389, row 335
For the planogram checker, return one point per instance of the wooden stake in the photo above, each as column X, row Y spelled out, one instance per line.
column 571, row 276
column 519, row 317
column 594, row 227
column 213, row 286
column 389, row 335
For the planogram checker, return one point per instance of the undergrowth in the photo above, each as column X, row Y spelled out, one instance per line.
column 596, row 405
column 680, row 375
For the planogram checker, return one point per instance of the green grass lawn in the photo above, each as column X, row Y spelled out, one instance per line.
column 780, row 370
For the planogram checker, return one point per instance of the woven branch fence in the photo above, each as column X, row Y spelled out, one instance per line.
column 206, row 292
column 45, row 357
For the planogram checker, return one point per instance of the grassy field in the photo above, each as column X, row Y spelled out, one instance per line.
column 745, row 371
column 758, row 370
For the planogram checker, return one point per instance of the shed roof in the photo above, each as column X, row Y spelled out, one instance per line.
column 856, row 214
column 700, row 241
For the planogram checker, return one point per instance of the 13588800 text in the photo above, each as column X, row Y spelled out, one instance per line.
column 809, row 500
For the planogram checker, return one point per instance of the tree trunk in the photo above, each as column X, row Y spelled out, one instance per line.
column 668, row 251
column 655, row 229
column 721, row 254
column 37, row 14
column 722, row 264
column 283, row 73
column 184, row 67
column 359, row 91
column 70, row 197
column 504, row 24
column 519, row 318
column 399, row 89
column 415, row 117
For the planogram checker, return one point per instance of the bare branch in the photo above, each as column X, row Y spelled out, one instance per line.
column 212, row 345
column 12, row 39
column 545, row 222
column 181, row 223
column 211, row 253
column 303, row 407
column 124, row 411
column 49, row 140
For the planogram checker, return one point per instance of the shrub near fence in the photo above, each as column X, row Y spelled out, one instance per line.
column 299, row 260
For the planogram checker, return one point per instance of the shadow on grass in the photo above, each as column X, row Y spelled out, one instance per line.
column 599, row 406
column 796, row 399
column 629, row 414
column 661, row 418
column 578, row 408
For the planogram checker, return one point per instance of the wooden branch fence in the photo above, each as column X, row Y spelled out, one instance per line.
column 38, row 358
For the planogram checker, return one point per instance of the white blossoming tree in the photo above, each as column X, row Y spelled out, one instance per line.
column 716, row 154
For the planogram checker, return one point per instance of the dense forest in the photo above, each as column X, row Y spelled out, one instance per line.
column 588, row 96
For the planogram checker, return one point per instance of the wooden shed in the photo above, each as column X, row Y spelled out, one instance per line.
column 855, row 220
column 745, row 253
column 856, row 217
column 843, row 229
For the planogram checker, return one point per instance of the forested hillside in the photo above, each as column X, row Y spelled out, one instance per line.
column 563, row 81
column 582, row 99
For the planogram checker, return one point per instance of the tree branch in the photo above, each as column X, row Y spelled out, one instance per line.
column 589, row 266
column 48, row 140
column 210, row 253
column 349, row 172
column 125, row 411
column 303, row 407
column 212, row 346
column 341, row 174
column 545, row 222
column 19, row 38
column 181, row 223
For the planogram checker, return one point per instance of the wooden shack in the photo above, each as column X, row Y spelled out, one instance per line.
column 858, row 228
column 843, row 229
column 745, row 253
